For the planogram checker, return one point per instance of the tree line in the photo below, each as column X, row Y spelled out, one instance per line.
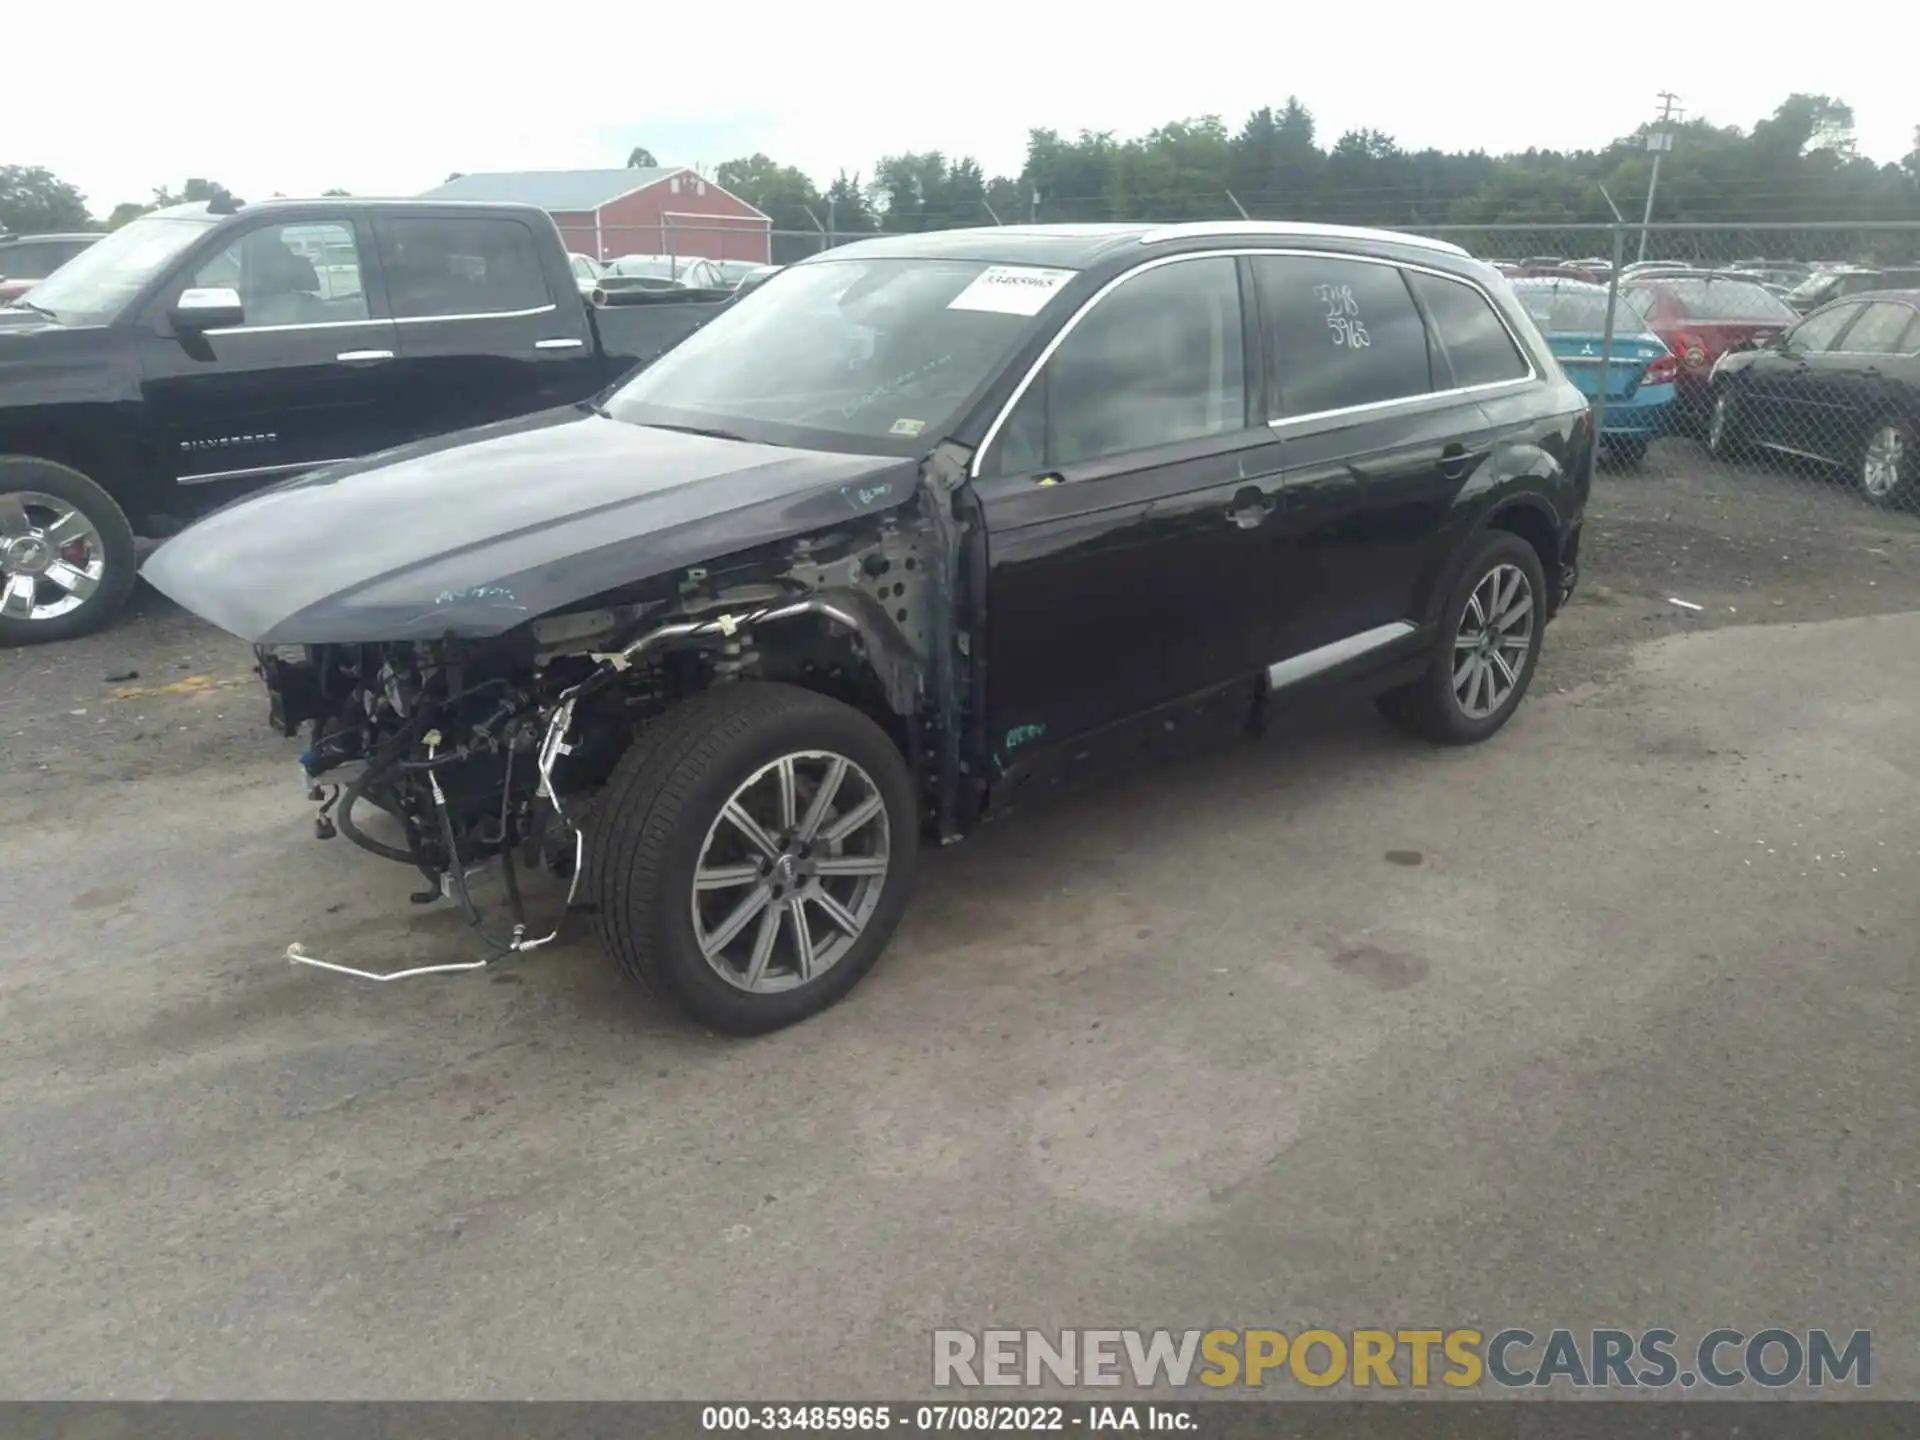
column 1798, row 164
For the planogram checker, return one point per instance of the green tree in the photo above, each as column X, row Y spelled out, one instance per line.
column 33, row 200
column 849, row 212
column 641, row 158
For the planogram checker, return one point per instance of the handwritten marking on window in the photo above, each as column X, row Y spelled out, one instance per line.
column 1343, row 316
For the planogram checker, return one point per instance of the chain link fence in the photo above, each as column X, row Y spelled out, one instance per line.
column 1735, row 351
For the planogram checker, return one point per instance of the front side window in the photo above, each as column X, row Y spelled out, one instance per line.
column 874, row 355
column 1473, row 339
column 456, row 266
column 1159, row 359
column 300, row 274
column 1883, row 330
column 1817, row 333
column 1342, row 332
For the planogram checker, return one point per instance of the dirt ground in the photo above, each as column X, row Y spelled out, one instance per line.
column 1606, row 1022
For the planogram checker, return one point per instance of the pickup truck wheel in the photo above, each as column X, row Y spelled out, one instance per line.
column 67, row 559
column 751, row 857
column 1485, row 653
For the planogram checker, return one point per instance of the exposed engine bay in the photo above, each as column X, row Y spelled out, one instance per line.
column 478, row 751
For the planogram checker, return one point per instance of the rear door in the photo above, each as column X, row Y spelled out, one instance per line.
column 1379, row 414
column 303, row 380
column 1130, row 496
column 1870, row 374
column 483, row 336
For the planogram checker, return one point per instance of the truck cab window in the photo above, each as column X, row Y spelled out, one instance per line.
column 441, row 268
column 296, row 274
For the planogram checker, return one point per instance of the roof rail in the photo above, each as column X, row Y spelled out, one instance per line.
column 1201, row 229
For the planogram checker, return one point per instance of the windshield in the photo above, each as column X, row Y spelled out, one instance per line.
column 97, row 283
column 1561, row 308
column 881, row 352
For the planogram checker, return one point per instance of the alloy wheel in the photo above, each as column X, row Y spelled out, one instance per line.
column 52, row 558
column 1881, row 464
column 790, row 872
column 1494, row 639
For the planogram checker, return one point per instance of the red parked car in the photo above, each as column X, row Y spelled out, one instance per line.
column 1702, row 314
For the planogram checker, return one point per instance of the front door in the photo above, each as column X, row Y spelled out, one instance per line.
column 1782, row 402
column 303, row 380
column 483, row 336
column 1130, row 502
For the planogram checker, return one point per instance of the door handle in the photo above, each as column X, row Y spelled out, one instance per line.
column 559, row 344
column 1249, row 508
column 1456, row 460
column 363, row 357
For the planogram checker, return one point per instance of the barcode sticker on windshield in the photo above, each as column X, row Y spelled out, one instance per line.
column 1011, row 290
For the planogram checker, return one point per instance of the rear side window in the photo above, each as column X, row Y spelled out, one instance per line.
column 449, row 267
column 1880, row 330
column 1472, row 343
column 1340, row 333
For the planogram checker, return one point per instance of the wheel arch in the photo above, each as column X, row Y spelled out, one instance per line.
column 1534, row 520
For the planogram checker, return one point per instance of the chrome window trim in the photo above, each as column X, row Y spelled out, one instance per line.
column 1532, row 376
column 287, row 469
column 1309, row 663
column 304, row 325
column 546, row 309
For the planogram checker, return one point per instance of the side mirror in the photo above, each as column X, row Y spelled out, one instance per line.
column 200, row 310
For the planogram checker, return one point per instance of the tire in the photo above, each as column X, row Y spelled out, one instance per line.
column 1726, row 429
column 1429, row 708
column 1887, row 465
column 37, row 604
column 660, row 818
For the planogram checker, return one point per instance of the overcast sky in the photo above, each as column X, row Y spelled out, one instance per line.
column 300, row 98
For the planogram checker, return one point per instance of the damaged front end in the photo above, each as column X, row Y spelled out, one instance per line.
column 491, row 751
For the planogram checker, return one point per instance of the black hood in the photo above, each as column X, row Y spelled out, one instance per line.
column 473, row 534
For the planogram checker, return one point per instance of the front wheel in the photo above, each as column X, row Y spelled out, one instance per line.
column 1726, row 429
column 67, row 557
column 753, row 853
column 1887, row 466
column 1485, row 653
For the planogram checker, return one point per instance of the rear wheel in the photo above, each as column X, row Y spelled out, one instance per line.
column 67, row 557
column 1887, row 466
column 1485, row 653
column 752, row 856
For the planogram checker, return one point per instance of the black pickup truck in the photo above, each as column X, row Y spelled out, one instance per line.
column 200, row 353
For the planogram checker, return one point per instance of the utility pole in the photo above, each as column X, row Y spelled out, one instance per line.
column 1659, row 142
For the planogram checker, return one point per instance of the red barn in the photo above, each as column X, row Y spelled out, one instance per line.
column 661, row 210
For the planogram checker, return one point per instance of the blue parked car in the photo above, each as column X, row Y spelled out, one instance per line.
column 1572, row 314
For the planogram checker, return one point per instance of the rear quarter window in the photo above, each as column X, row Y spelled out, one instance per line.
column 1472, row 343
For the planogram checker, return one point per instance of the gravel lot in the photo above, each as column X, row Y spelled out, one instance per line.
column 1620, row 1032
